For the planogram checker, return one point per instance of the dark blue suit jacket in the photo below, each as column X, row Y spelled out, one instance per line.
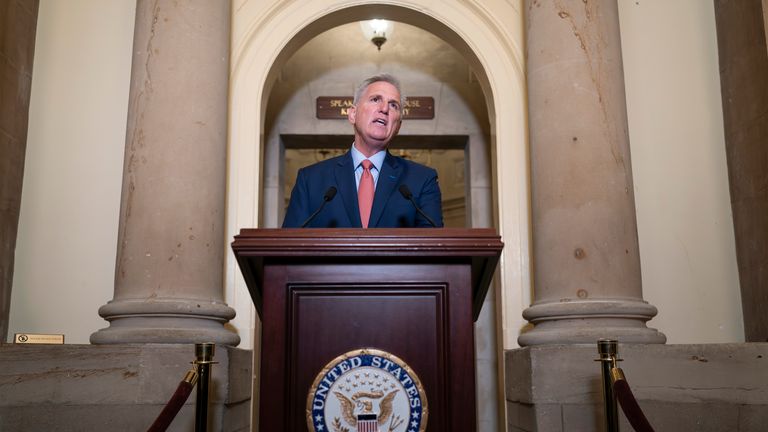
column 390, row 208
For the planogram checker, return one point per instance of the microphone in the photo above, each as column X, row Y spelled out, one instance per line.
column 406, row 193
column 329, row 194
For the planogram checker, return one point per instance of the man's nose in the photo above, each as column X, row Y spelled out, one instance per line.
column 383, row 107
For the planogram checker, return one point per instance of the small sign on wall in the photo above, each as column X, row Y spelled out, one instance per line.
column 36, row 338
column 337, row 107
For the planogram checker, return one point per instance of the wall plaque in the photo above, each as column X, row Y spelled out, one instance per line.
column 336, row 107
column 34, row 338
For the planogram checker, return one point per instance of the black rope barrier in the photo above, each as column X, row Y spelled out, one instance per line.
column 173, row 406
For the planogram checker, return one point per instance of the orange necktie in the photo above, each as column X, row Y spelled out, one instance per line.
column 365, row 193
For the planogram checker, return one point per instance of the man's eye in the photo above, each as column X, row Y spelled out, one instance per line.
column 394, row 105
column 375, row 99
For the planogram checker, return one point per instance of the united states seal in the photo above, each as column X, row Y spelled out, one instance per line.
column 367, row 390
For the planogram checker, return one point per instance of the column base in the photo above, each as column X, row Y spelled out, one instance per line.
column 712, row 387
column 586, row 321
column 165, row 321
column 73, row 388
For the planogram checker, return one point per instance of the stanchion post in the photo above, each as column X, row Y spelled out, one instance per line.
column 204, row 353
column 609, row 351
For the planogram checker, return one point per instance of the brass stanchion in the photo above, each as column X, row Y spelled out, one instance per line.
column 204, row 353
column 609, row 351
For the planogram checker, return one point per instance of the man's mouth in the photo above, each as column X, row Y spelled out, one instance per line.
column 382, row 122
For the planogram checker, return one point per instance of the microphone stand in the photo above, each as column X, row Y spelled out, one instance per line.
column 329, row 194
column 406, row 193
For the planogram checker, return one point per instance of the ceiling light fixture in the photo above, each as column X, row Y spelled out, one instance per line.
column 376, row 31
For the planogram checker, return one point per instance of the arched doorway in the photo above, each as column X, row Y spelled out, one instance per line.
column 489, row 38
column 453, row 136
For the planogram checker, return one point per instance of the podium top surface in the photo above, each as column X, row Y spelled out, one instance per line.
column 478, row 247
column 437, row 242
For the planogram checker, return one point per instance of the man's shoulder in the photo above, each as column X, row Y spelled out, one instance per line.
column 326, row 164
column 410, row 165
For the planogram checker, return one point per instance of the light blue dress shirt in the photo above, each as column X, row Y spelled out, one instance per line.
column 357, row 162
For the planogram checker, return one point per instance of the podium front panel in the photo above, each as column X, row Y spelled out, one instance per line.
column 314, row 313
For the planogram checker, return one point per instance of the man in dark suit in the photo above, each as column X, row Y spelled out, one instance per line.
column 364, row 187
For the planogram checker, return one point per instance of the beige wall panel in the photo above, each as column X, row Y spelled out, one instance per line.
column 685, row 228
column 65, row 254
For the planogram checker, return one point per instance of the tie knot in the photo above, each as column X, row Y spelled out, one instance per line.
column 367, row 164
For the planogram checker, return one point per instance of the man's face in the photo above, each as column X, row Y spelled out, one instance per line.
column 376, row 117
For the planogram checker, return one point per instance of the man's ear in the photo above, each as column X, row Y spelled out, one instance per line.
column 351, row 114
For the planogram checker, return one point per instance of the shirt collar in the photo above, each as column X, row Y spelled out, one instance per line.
column 377, row 159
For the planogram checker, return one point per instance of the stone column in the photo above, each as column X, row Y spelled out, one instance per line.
column 169, row 271
column 585, row 251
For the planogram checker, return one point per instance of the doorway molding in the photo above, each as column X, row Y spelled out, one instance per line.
column 489, row 35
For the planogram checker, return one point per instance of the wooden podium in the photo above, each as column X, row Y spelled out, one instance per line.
column 414, row 293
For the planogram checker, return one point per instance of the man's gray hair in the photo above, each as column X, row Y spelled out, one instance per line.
column 377, row 78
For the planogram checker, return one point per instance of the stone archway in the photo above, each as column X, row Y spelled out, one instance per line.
column 489, row 37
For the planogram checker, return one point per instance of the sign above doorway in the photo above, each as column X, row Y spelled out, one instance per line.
column 335, row 107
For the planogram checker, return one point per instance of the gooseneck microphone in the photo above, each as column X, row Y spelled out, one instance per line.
column 406, row 193
column 329, row 194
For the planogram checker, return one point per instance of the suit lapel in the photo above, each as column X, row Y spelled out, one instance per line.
column 345, row 178
column 388, row 179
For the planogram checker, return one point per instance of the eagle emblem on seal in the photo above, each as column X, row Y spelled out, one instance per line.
column 358, row 410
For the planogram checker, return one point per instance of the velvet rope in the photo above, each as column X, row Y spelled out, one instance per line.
column 172, row 407
column 630, row 407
